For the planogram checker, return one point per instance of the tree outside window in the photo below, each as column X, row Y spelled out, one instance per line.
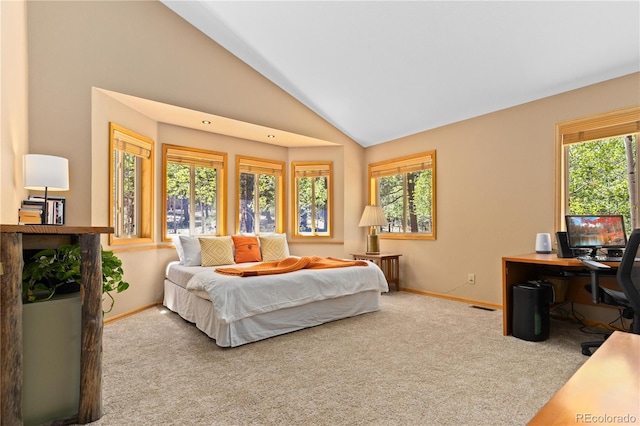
column 192, row 178
column 130, row 186
column 599, row 178
column 260, row 198
column 312, row 199
column 597, row 165
column 405, row 189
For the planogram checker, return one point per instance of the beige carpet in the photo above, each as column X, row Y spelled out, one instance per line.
column 418, row 361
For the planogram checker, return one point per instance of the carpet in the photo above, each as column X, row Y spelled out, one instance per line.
column 418, row 361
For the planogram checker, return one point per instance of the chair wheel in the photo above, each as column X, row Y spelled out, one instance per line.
column 586, row 352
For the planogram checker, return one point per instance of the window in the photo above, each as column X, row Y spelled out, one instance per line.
column 193, row 191
column 405, row 188
column 260, row 201
column 312, row 192
column 596, row 166
column 131, row 186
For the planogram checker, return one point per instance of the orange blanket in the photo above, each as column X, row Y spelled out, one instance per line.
column 290, row 264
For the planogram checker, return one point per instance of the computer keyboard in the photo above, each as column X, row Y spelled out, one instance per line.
column 601, row 258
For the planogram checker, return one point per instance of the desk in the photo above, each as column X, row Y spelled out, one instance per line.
column 605, row 387
column 525, row 267
column 13, row 239
column 388, row 262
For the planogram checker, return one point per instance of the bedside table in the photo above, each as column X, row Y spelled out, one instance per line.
column 388, row 262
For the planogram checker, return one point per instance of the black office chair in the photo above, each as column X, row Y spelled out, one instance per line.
column 628, row 277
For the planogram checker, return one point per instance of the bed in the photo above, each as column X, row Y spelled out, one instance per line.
column 236, row 310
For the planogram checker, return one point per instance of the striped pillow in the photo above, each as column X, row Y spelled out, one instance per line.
column 216, row 251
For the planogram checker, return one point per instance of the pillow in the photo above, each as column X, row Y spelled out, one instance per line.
column 274, row 247
column 247, row 249
column 216, row 251
column 191, row 251
column 179, row 249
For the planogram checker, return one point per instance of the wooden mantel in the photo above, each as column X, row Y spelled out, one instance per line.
column 13, row 239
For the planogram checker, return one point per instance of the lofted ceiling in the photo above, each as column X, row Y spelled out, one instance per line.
column 381, row 70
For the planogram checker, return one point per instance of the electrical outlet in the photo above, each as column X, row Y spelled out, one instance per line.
column 471, row 278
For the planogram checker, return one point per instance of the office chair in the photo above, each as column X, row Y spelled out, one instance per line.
column 628, row 277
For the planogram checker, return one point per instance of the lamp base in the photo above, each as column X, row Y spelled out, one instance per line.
column 373, row 244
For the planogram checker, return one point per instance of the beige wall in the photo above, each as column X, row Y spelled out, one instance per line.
column 495, row 183
column 13, row 107
column 145, row 50
column 495, row 172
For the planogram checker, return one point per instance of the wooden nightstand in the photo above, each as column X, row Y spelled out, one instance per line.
column 388, row 262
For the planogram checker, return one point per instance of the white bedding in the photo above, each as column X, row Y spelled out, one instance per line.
column 235, row 298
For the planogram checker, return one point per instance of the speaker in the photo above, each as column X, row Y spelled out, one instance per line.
column 563, row 245
column 543, row 243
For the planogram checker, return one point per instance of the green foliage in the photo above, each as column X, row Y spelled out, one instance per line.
column 112, row 276
column 264, row 186
column 598, row 178
column 313, row 198
column 407, row 201
column 50, row 269
column 180, row 193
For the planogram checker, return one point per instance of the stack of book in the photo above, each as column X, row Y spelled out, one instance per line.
column 32, row 211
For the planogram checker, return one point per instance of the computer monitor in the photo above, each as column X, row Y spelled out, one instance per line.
column 595, row 232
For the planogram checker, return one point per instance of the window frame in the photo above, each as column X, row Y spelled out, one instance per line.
column 600, row 126
column 143, row 148
column 278, row 169
column 408, row 163
column 311, row 169
column 198, row 157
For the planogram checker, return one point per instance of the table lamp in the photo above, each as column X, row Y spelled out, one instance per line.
column 45, row 173
column 372, row 217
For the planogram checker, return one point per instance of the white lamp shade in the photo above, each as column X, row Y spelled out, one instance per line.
column 373, row 216
column 46, row 171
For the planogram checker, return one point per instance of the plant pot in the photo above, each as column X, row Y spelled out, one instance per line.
column 51, row 333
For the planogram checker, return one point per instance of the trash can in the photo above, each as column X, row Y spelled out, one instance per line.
column 531, row 302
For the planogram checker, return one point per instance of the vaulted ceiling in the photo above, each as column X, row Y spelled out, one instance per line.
column 381, row 70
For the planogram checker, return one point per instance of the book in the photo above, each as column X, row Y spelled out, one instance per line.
column 55, row 208
column 29, row 215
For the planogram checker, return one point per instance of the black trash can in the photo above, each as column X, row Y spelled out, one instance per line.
column 531, row 302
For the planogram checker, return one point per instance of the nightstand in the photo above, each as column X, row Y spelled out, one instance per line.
column 388, row 262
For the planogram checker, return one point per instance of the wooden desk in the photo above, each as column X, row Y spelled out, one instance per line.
column 388, row 262
column 525, row 267
column 13, row 239
column 605, row 390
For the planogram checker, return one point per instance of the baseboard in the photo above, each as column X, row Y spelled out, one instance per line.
column 454, row 298
column 128, row 314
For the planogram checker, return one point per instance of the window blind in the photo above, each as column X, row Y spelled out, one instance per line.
column 311, row 169
column 258, row 166
column 131, row 144
column 409, row 164
column 602, row 133
column 189, row 157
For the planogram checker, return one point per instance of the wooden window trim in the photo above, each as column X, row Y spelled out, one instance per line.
column 263, row 166
column 403, row 165
column 311, row 169
column 594, row 127
column 199, row 157
column 142, row 147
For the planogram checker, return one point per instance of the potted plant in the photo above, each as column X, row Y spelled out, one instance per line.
column 57, row 271
column 51, row 389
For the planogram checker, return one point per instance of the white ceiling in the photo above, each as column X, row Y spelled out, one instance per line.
column 380, row 70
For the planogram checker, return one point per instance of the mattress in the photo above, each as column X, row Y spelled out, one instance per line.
column 197, row 307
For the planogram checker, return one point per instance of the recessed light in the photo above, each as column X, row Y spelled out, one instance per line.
column 206, row 122
column 271, row 136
